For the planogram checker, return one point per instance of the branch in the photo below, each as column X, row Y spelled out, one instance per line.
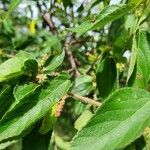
column 50, row 24
column 86, row 100
column 71, row 59
column 67, row 44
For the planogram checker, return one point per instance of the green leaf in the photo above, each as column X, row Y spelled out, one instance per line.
column 106, row 16
column 143, row 61
column 83, row 119
column 13, row 5
column 49, row 120
column 83, row 85
column 22, row 91
column 7, row 26
column 61, row 143
column 6, row 98
column 13, row 67
column 146, row 13
column 54, row 44
column 135, row 2
column 133, row 58
column 106, row 77
column 6, row 144
column 119, row 121
column 141, row 75
column 30, row 67
column 93, row 4
column 21, row 94
column 27, row 115
column 130, row 24
column 55, row 62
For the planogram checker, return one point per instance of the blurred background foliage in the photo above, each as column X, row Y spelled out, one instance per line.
column 41, row 27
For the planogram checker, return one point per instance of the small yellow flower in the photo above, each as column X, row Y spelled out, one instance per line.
column 32, row 27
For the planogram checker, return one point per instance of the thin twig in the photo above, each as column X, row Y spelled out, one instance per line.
column 86, row 100
column 50, row 24
column 67, row 44
column 71, row 59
